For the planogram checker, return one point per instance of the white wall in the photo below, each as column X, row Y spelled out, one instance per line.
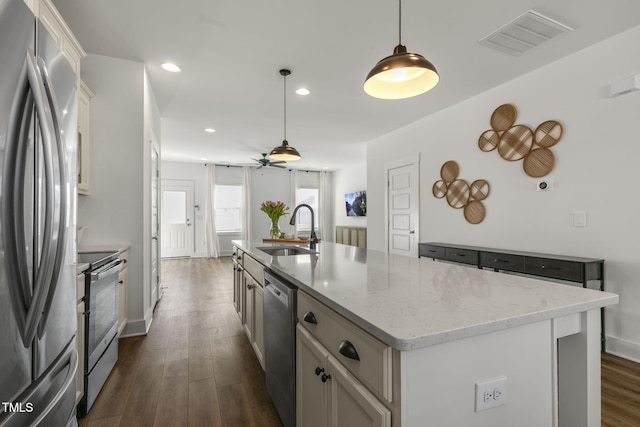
column 595, row 171
column 116, row 211
column 349, row 180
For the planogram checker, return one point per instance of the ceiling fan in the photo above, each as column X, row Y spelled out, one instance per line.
column 266, row 162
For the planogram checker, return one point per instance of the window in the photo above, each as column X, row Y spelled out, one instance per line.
column 310, row 197
column 227, row 200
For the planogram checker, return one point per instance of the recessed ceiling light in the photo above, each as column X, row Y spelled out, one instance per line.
column 171, row 67
column 325, row 167
column 303, row 91
column 210, row 130
column 203, row 158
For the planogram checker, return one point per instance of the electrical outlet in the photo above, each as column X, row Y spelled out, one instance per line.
column 491, row 393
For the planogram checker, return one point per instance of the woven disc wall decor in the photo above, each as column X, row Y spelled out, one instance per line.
column 459, row 194
column 517, row 142
column 449, row 171
column 548, row 133
column 503, row 117
column 539, row 162
column 489, row 140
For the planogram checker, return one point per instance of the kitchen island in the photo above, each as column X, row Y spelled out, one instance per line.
column 452, row 329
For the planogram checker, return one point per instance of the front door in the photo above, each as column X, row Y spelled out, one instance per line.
column 403, row 213
column 177, row 214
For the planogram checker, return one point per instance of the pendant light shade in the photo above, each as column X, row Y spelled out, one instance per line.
column 284, row 151
column 401, row 75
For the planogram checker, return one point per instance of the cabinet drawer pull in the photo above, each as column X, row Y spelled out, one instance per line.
column 348, row 350
column 460, row 255
column 319, row 370
column 309, row 317
column 325, row 377
column 500, row 260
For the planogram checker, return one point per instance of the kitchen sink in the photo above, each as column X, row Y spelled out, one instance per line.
column 286, row 250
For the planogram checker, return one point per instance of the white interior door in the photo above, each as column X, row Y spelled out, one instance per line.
column 403, row 213
column 177, row 218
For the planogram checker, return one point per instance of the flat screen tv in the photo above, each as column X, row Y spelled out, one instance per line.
column 356, row 203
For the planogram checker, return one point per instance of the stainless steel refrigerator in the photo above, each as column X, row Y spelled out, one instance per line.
column 38, row 136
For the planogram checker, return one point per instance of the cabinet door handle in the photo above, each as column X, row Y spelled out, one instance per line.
column 325, row 377
column 319, row 370
column 249, row 286
column 121, row 282
column 348, row 350
column 309, row 317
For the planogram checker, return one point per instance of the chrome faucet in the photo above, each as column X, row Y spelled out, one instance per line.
column 313, row 239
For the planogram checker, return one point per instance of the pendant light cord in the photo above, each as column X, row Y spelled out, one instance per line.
column 400, row 22
column 285, row 107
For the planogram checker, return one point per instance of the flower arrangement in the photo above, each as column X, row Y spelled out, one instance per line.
column 274, row 211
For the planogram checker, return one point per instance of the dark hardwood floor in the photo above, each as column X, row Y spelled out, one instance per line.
column 197, row 368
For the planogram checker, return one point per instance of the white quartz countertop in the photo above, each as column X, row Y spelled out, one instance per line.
column 410, row 303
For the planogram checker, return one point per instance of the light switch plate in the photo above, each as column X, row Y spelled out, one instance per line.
column 579, row 219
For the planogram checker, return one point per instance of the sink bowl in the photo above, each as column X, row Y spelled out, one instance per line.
column 286, row 250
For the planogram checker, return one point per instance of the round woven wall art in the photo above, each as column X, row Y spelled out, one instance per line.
column 539, row 162
column 548, row 134
column 489, row 140
column 458, row 193
column 474, row 212
column 515, row 143
column 439, row 189
column 449, row 171
column 503, row 117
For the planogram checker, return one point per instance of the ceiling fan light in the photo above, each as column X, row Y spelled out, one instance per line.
column 284, row 152
column 401, row 75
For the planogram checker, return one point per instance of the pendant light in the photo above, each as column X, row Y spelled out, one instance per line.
column 401, row 75
column 284, row 151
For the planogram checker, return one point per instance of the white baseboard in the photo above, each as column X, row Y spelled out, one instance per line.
column 623, row 348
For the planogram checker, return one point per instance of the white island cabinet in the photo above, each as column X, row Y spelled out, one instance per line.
column 438, row 344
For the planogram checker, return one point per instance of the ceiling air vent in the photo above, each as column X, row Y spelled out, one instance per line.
column 524, row 33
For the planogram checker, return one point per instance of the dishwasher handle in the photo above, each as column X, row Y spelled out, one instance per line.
column 278, row 294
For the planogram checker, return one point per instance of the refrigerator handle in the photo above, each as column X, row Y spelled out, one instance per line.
column 68, row 359
column 43, row 277
column 13, row 194
column 60, row 205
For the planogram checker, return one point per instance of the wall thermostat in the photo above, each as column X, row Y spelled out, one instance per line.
column 544, row 185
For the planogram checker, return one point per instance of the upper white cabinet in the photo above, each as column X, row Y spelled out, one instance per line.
column 59, row 30
column 84, row 100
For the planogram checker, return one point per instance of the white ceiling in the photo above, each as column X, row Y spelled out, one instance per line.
column 230, row 52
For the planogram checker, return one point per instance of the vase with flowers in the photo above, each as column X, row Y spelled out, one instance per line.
column 274, row 211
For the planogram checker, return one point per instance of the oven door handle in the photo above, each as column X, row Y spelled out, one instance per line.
column 110, row 269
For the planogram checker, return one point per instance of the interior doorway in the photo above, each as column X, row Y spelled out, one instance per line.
column 177, row 229
column 403, row 201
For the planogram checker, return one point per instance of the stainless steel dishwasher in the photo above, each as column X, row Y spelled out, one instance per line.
column 280, row 302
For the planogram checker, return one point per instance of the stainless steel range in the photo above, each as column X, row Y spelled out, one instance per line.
column 101, row 322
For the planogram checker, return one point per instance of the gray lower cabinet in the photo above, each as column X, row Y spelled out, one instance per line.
column 327, row 394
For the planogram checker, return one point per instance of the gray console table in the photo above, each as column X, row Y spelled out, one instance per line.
column 574, row 270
